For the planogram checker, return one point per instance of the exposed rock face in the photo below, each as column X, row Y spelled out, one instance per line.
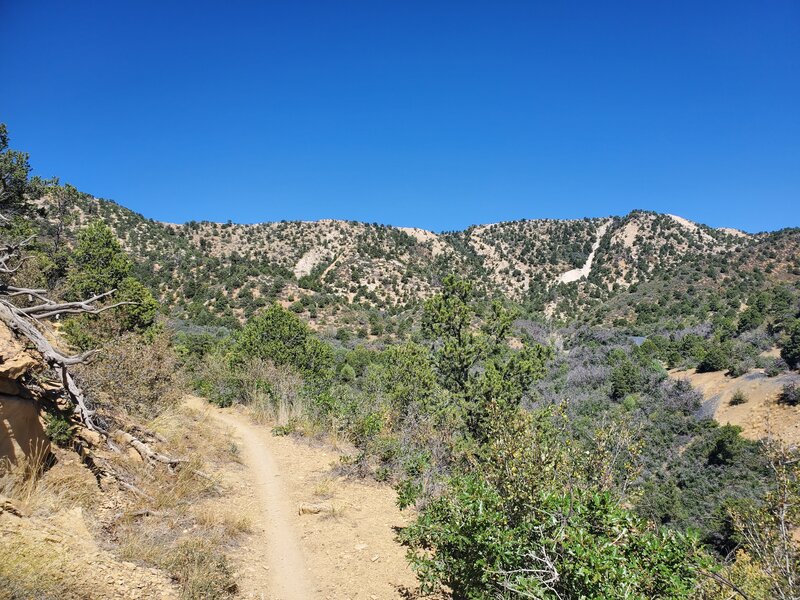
column 15, row 360
column 22, row 433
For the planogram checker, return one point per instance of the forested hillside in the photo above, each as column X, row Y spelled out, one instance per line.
column 517, row 384
column 647, row 269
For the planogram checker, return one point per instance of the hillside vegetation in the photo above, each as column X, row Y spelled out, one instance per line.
column 648, row 267
column 511, row 382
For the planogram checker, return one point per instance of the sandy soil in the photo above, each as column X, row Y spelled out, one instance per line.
column 61, row 549
column 761, row 415
column 308, row 261
column 347, row 553
column 576, row 274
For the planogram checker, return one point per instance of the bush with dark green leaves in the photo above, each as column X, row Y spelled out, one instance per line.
column 59, row 430
column 626, row 378
column 97, row 266
column 280, row 336
column 790, row 352
column 532, row 520
column 98, row 263
column 715, row 359
column 691, row 489
column 790, row 394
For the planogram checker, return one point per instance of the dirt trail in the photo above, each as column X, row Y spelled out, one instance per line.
column 348, row 553
column 280, row 572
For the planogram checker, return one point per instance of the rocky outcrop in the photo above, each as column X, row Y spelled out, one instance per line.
column 22, row 431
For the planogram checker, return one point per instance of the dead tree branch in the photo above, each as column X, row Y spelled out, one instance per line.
column 147, row 452
column 24, row 320
column 12, row 252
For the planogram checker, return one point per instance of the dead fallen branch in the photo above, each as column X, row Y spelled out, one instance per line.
column 147, row 453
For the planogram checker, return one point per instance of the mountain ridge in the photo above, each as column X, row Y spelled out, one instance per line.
column 209, row 271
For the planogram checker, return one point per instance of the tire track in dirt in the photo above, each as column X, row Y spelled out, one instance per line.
column 278, row 569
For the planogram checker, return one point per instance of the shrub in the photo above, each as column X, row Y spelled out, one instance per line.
column 738, row 398
column 776, row 367
column 136, row 373
column 626, row 378
column 751, row 318
column 791, row 348
column 347, row 373
column 715, row 359
column 631, row 402
column 279, row 336
column 739, row 368
column 98, row 264
column 142, row 313
column 790, row 394
column 532, row 521
column 59, row 430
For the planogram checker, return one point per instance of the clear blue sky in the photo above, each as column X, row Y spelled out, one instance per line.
column 434, row 114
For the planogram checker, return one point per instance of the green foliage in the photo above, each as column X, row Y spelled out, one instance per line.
column 281, row 337
column 142, row 312
column 528, row 521
column 790, row 352
column 715, row 359
column 519, row 498
column 751, row 318
column 98, row 263
column 409, row 378
column 59, row 430
column 626, row 378
column 691, row 490
column 347, row 373
column 471, row 357
column 15, row 187
column 80, row 333
column 448, row 318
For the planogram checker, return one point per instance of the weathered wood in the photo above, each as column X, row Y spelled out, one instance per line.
column 147, row 452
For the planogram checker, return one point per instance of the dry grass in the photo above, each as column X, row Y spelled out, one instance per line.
column 36, row 491
column 326, row 488
column 20, row 481
column 212, row 516
column 187, row 529
column 336, row 512
column 178, row 524
column 279, row 401
column 35, row 569
column 234, row 452
column 37, row 566
column 200, row 569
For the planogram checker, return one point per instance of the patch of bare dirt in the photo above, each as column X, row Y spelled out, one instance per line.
column 761, row 415
column 576, row 274
column 57, row 555
column 323, row 536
